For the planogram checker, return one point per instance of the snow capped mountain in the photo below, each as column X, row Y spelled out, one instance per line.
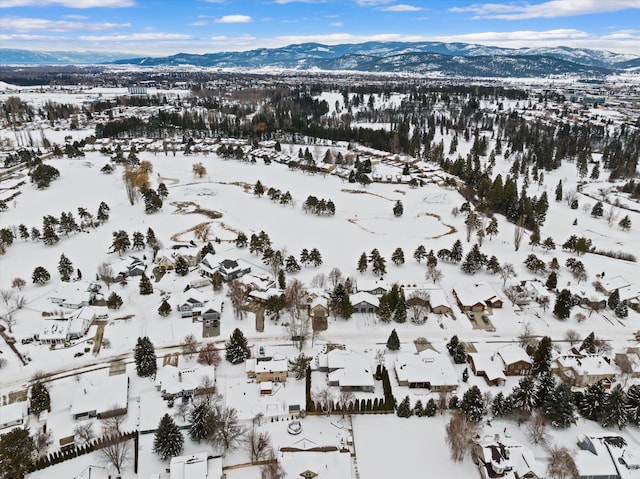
column 461, row 59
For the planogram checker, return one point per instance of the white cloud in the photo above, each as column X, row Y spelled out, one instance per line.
column 151, row 36
column 31, row 24
column 337, row 24
column 199, row 23
column 401, row 8
column 284, row 2
column 372, row 3
column 549, row 9
column 68, row 3
column 234, row 19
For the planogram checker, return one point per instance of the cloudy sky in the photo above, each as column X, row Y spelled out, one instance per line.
column 160, row 27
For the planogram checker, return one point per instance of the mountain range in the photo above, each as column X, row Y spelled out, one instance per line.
column 450, row 59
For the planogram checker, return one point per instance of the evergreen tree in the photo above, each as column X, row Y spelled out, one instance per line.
column 152, row 200
column 103, row 212
column 49, row 235
column 346, row 308
column 559, row 191
column 398, row 209
column 456, row 252
column 282, row 281
column 152, row 241
column 164, row 309
column 241, row 240
column 589, row 344
column 168, row 441
column 258, row 189
column 384, row 312
column 472, row 404
column 379, row 266
column 614, row 299
column 304, row 257
column 163, row 192
column 542, row 356
column 121, row 242
column 431, row 408
column 40, row 399
column 456, row 350
column 559, row 407
column 546, row 384
column 420, row 253
column 145, row 285
column 16, row 453
column 404, row 408
column 182, row 267
column 418, row 409
column 138, row 240
column 597, row 210
column 564, row 303
column 362, row 263
column 632, row 405
column 552, row 280
column 144, row 355
column 590, row 404
column 622, row 310
column 492, row 228
column 315, row 257
column 548, row 244
column 397, row 257
column 198, row 421
column 625, row 223
column 65, row 268
column 236, row 348
column 400, row 312
column 393, row 343
column 465, row 375
column 523, row 396
column 40, row 275
column 291, row 265
column 114, row 301
column 498, row 405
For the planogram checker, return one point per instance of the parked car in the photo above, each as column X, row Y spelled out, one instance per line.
column 78, row 354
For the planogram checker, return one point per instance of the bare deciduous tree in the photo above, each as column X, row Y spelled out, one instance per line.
column 346, row 399
column 189, row 346
column 561, row 464
column 418, row 303
column 201, row 231
column 83, row 433
column 238, row 295
column 434, row 274
column 506, row 272
column 518, row 233
column 272, row 469
column 42, row 439
column 105, row 274
column 572, row 336
column 295, row 296
column 325, row 398
column 526, row 336
column 335, row 277
column 116, row 453
column 299, row 330
column 537, row 430
column 226, row 432
column 257, row 444
column 209, row 354
column 460, row 435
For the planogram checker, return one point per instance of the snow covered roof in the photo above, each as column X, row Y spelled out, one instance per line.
column 594, row 461
column 364, row 297
column 511, row 354
column 469, row 294
column 54, row 329
column 13, row 413
column 264, row 295
column 195, row 466
column 484, row 362
column 173, row 380
column 111, row 392
column 629, row 292
column 372, row 284
column 586, row 365
column 252, row 365
column 348, row 369
column 317, row 465
column 437, row 297
column 428, row 366
column 613, row 283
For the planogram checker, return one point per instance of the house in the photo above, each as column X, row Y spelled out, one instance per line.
column 535, row 291
column 54, row 331
column 195, row 466
column 428, row 369
column 326, row 462
column 208, row 265
column 131, row 266
column 348, row 370
column 515, row 360
column 609, row 285
column 581, row 370
column 174, row 382
column 190, row 302
column 594, row 459
column 73, row 295
column 364, row 302
column 80, row 322
column 319, row 309
column 212, row 311
column 498, row 457
column 101, row 398
column 438, row 302
column 267, row 369
column 165, row 262
column 233, row 269
column 375, row 287
column 476, row 297
column 13, row 414
column 485, row 365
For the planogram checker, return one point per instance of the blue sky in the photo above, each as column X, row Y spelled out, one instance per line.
column 160, row 27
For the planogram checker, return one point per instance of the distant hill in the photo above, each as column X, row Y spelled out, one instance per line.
column 455, row 59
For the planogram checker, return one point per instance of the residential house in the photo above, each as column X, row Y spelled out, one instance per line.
column 476, row 297
column 208, row 265
column 504, row 458
column 595, row 458
column 486, row 365
column 174, row 382
column 165, row 262
column 101, row 398
column 581, row 370
column 319, row 308
column 80, row 322
column 536, row 291
column 375, row 287
column 13, row 415
column 190, row 304
column 315, row 462
column 429, row 369
column 348, row 370
column 130, row 266
column 438, row 302
column 233, row 269
column 74, row 295
column 609, row 285
column 515, row 360
column 364, row 302
column 267, row 369
column 54, row 331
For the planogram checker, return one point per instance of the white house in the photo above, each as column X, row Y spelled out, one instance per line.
column 429, row 369
column 348, row 370
column 233, row 269
column 195, row 466
column 103, row 397
column 13, row 414
column 174, row 382
column 364, row 302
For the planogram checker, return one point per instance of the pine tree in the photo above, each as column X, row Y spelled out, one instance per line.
column 542, row 356
column 315, row 257
column 456, row 350
column 103, row 212
column 65, row 268
column 398, row 209
column 393, row 343
column 49, row 235
column 40, row 275
column 304, row 257
column 589, row 343
column 346, row 308
column 420, row 253
column 258, row 189
column 597, row 209
column 552, row 280
column 431, row 408
column 404, row 408
column 498, row 405
column 362, row 263
column 397, row 257
column 384, row 312
column 114, row 301
column 633, row 404
column 168, row 441
column 456, row 252
column 121, row 242
column 564, row 303
column 559, row 407
column 144, row 355
column 165, row 308
column 523, row 396
column 472, row 404
column 614, row 299
column 40, row 399
column 548, row 244
column 16, row 453
column 418, row 409
column 182, row 267
column 465, row 375
column 558, row 191
column 591, row 403
column 152, row 241
column 625, row 223
column 622, row 310
column 291, row 265
column 138, row 240
column 236, row 348
column 145, row 285
column 379, row 266
column 400, row 313
column 198, row 421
